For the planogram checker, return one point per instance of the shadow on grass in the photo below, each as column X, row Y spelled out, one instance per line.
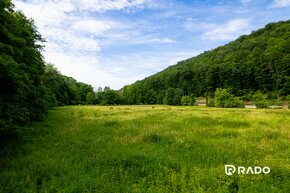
column 11, row 143
column 157, row 138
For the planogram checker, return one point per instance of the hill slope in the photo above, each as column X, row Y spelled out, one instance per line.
column 259, row 61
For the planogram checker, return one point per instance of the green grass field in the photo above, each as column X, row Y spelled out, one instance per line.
column 147, row 149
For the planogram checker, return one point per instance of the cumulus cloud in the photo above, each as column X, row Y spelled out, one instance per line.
column 92, row 26
column 74, row 36
column 228, row 31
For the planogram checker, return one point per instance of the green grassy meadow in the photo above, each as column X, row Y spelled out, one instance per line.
column 147, row 149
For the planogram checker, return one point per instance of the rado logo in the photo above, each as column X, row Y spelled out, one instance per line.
column 231, row 169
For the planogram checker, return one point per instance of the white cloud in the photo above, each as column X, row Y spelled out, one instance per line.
column 70, row 41
column 75, row 36
column 84, row 68
column 101, row 5
column 151, row 39
column 83, row 5
column 141, row 65
column 280, row 3
column 228, row 31
column 46, row 13
column 92, row 26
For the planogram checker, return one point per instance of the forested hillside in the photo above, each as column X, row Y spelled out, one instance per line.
column 256, row 62
column 28, row 85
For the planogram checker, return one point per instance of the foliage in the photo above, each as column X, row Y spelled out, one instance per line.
column 247, row 97
column 256, row 62
column 222, row 98
column 107, row 96
column 173, row 96
column 210, row 102
column 261, row 104
column 188, row 101
column 185, row 101
column 28, row 86
column 234, row 102
column 261, row 100
column 258, row 96
column 90, row 98
column 62, row 90
column 22, row 93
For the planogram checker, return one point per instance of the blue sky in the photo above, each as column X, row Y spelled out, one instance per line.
column 117, row 42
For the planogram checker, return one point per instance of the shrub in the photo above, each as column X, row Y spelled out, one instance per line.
column 261, row 104
column 210, row 103
column 247, row 97
column 276, row 102
column 272, row 95
column 224, row 99
column 188, row 101
column 185, row 101
column 258, row 96
column 234, row 102
column 192, row 101
column 221, row 96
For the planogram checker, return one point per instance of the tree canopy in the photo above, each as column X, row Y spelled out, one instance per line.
column 22, row 93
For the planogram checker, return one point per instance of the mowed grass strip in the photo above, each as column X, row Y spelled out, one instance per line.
column 147, row 149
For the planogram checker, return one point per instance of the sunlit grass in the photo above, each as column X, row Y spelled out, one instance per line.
column 148, row 149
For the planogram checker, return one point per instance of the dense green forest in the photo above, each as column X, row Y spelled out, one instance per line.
column 255, row 63
column 22, row 90
column 28, row 85
column 62, row 90
column 250, row 67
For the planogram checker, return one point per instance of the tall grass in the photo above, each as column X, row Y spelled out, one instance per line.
column 145, row 149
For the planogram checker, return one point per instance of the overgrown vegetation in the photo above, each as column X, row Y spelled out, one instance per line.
column 145, row 149
column 222, row 98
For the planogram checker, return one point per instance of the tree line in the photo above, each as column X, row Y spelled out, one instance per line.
column 62, row 90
